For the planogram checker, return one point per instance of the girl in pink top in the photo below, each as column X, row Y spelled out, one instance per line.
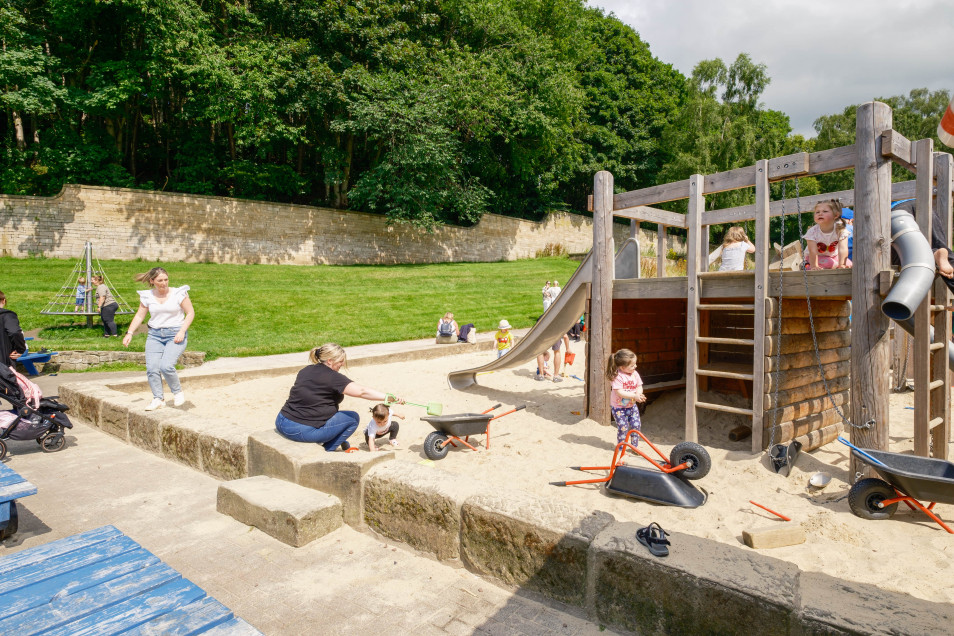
column 626, row 393
column 827, row 240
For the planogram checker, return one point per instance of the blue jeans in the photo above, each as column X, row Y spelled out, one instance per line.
column 336, row 430
column 161, row 356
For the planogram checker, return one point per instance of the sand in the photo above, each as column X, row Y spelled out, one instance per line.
column 530, row 448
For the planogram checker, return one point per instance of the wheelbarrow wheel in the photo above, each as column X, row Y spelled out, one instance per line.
column 695, row 456
column 434, row 446
column 865, row 498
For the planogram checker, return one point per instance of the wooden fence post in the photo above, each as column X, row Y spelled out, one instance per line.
column 601, row 302
column 872, row 247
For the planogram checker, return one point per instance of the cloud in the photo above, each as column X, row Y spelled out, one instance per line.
column 821, row 56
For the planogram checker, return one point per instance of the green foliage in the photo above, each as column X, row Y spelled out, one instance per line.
column 430, row 112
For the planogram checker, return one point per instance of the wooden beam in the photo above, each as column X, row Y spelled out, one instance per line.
column 652, row 215
column 899, row 149
column 833, row 160
column 660, row 251
column 601, row 303
column 654, row 194
column 872, row 245
column 697, row 204
column 834, row 283
column 941, row 400
column 762, row 193
column 924, row 151
column 788, row 166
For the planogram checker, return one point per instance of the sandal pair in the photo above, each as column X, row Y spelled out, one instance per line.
column 654, row 538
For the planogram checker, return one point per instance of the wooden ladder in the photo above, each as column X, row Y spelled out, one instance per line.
column 697, row 313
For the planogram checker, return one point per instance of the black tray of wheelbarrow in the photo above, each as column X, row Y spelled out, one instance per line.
column 655, row 486
column 460, row 425
column 925, row 478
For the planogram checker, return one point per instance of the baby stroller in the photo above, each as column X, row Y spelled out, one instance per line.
column 33, row 416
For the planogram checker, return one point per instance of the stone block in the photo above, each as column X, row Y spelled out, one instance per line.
column 291, row 513
column 702, row 586
column 114, row 419
column 529, row 541
column 309, row 465
column 179, row 437
column 144, row 430
column 418, row 505
column 223, row 452
column 775, row 536
column 834, row 606
column 82, row 402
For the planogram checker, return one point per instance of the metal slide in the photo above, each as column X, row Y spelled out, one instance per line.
column 565, row 311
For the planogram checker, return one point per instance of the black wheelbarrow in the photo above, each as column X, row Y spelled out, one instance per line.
column 904, row 478
column 668, row 485
column 452, row 428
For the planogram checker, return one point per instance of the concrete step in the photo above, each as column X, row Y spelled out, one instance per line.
column 291, row 513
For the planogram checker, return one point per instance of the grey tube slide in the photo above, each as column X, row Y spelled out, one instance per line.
column 917, row 275
column 917, row 268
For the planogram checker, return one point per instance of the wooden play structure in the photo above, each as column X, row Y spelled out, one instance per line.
column 755, row 333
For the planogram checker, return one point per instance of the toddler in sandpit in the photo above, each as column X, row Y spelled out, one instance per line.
column 382, row 424
column 626, row 393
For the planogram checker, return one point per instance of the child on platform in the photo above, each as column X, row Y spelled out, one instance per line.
column 626, row 393
column 382, row 423
column 735, row 246
column 81, row 290
column 828, row 239
column 504, row 338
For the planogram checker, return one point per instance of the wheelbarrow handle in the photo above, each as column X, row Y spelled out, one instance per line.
column 513, row 410
column 495, row 406
column 871, row 460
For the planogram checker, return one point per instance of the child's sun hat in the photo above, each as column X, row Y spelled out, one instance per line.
column 504, row 325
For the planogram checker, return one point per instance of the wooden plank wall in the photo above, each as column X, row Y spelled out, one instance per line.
column 656, row 332
column 800, row 406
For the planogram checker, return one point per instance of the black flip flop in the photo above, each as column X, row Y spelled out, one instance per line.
column 654, row 538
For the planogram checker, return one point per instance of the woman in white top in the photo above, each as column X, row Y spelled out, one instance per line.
column 170, row 314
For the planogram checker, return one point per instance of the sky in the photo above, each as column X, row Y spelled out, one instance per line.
column 822, row 55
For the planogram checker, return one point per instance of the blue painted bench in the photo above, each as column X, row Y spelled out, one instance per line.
column 12, row 487
column 28, row 359
column 103, row 582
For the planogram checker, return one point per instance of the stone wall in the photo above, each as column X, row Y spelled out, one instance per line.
column 83, row 360
column 128, row 224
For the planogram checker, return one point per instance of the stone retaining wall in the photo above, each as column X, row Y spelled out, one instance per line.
column 83, row 360
column 583, row 557
column 128, row 224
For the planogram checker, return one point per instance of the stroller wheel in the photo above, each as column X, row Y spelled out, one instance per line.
column 3, row 449
column 434, row 446
column 53, row 443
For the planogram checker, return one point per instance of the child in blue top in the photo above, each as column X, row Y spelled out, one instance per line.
column 80, row 294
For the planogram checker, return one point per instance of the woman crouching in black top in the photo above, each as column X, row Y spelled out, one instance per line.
column 311, row 412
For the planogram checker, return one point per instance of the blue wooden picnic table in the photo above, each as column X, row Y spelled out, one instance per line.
column 103, row 582
column 29, row 359
column 12, row 487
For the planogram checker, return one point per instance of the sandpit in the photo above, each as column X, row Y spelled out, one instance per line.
column 528, row 449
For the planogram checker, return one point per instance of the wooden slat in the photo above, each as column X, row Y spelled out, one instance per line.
column 730, row 180
column 924, row 151
column 50, row 550
column 934, row 423
column 936, row 384
column 807, row 408
column 660, row 251
column 652, row 215
column 798, row 308
column 817, row 439
column 197, row 617
column 807, row 375
column 694, row 216
column 762, row 193
column 731, row 370
column 832, row 160
column 723, row 407
column 788, row 166
column 804, row 325
column 731, row 341
column 717, row 307
column 802, row 359
column 804, row 342
column 654, row 194
column 806, row 393
column 898, row 148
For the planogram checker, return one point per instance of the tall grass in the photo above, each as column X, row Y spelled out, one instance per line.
column 245, row 310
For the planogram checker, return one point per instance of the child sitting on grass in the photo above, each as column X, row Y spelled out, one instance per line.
column 382, row 424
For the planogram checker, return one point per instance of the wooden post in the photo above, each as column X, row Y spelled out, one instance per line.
column 660, row 251
column 760, row 289
column 601, row 303
column 924, row 151
column 872, row 245
column 694, row 237
column 634, row 229
column 941, row 399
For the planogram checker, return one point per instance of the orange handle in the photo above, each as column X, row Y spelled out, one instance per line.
column 769, row 510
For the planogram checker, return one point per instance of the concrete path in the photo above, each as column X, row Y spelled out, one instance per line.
column 348, row 582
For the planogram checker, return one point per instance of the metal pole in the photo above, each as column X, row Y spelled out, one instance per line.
column 87, row 303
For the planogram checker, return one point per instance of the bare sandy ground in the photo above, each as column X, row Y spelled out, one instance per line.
column 528, row 449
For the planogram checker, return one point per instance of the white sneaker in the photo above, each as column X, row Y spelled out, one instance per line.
column 394, row 443
column 156, row 403
column 178, row 399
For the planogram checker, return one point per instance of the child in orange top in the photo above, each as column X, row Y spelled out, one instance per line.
column 626, row 393
column 828, row 239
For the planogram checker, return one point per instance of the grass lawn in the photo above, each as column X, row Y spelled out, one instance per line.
column 249, row 310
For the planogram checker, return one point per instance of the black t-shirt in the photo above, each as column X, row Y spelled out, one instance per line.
column 315, row 397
